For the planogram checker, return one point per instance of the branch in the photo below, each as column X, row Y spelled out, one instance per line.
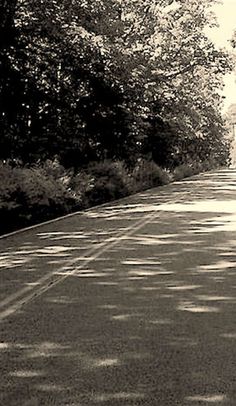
column 173, row 75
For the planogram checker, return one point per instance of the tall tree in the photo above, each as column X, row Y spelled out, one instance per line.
column 114, row 79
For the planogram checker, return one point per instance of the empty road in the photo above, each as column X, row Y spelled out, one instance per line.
column 130, row 303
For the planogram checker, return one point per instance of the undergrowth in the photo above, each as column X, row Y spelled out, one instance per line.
column 30, row 195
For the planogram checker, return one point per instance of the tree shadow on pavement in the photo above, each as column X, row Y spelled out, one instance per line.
column 150, row 321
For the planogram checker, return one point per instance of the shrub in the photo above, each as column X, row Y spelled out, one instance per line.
column 8, row 187
column 81, row 184
column 30, row 195
column 185, row 171
column 108, row 181
column 54, row 170
column 211, row 163
column 148, row 174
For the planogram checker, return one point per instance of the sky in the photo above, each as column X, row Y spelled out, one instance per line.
column 226, row 15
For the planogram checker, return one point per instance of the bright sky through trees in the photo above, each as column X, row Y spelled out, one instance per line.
column 226, row 15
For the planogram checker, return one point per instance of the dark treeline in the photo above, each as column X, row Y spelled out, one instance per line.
column 93, row 80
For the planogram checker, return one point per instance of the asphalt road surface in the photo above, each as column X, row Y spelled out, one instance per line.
column 131, row 303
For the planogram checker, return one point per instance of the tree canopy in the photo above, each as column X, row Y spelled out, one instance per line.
column 87, row 80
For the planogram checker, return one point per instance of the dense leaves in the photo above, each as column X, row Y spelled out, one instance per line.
column 94, row 80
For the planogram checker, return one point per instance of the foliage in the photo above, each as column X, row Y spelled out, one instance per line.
column 185, row 171
column 31, row 195
column 95, row 80
column 110, row 180
column 147, row 174
column 119, row 93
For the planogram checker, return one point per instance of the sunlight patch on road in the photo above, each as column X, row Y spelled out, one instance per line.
column 14, row 259
column 217, row 279
column 148, row 239
column 46, row 349
column 194, row 308
column 184, row 287
column 59, row 235
column 137, row 262
column 50, row 388
column 125, row 317
column 149, row 273
column 108, row 362
column 5, row 346
column 106, row 283
column 229, row 335
column 91, row 275
column 205, row 206
column 55, row 250
column 219, row 266
column 7, row 261
column 226, row 223
column 83, row 273
column 212, row 298
column 207, row 399
column 118, row 396
column 121, row 317
column 26, row 374
column 62, row 300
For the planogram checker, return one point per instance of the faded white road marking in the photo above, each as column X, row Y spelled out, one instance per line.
column 52, row 278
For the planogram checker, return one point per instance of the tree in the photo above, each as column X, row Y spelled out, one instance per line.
column 96, row 79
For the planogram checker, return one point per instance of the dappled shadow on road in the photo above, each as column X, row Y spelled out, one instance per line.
column 24, row 261
column 208, row 187
column 149, row 321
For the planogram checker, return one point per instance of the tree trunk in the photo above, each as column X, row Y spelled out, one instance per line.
column 7, row 14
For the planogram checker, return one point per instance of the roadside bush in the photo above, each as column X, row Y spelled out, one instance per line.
column 40, row 193
column 8, row 188
column 148, row 174
column 45, row 191
column 54, row 170
column 31, row 195
column 81, row 184
column 210, row 164
column 108, row 181
column 185, row 171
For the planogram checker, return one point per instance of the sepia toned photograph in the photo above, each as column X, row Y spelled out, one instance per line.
column 117, row 202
